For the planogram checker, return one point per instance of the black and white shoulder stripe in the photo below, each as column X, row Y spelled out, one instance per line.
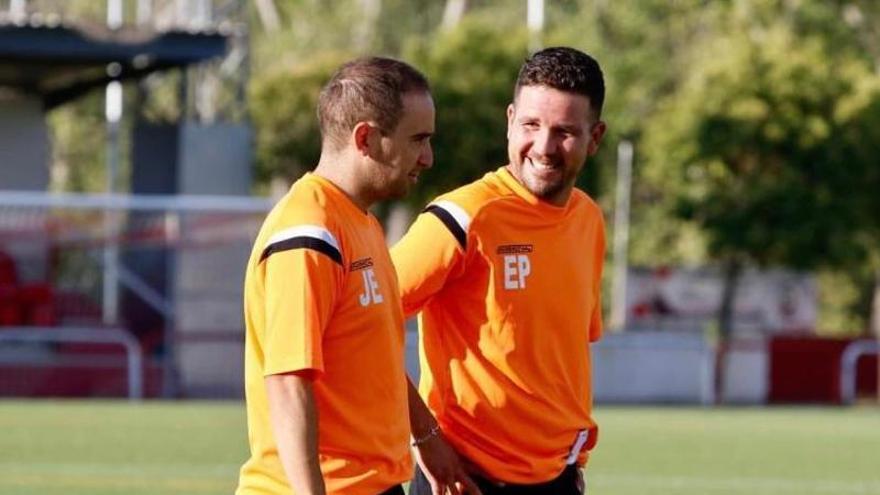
column 303, row 237
column 453, row 217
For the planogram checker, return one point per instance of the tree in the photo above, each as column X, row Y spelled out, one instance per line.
column 472, row 69
column 743, row 112
column 283, row 107
column 310, row 27
column 644, row 47
column 769, row 148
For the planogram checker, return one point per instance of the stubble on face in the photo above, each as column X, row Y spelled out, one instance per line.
column 406, row 150
column 549, row 138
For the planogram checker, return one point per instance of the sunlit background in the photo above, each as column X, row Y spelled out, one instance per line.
column 143, row 141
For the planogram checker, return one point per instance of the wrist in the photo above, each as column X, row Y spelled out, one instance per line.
column 420, row 440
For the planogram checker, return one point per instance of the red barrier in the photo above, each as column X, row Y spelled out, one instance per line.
column 807, row 370
column 74, row 381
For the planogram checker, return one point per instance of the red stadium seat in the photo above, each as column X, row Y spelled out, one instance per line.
column 35, row 293
column 38, row 304
column 76, row 308
column 10, row 316
column 10, row 309
column 8, row 294
column 8, row 274
column 41, row 315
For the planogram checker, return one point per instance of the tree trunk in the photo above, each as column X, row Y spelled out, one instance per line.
column 874, row 317
column 874, row 326
column 732, row 272
column 268, row 14
column 366, row 30
column 453, row 13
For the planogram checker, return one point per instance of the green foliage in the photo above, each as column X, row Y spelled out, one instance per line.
column 78, row 138
column 309, row 27
column 162, row 104
column 643, row 47
column 756, row 123
column 766, row 147
column 472, row 70
column 283, row 107
column 845, row 300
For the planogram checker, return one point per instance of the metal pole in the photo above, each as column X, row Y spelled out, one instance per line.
column 144, row 12
column 113, row 115
column 535, row 23
column 18, row 10
column 170, row 370
column 181, row 14
column 114, row 14
column 268, row 14
column 452, row 13
column 621, row 235
column 205, row 13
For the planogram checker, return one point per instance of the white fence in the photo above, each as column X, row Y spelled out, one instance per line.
column 133, row 353
column 659, row 367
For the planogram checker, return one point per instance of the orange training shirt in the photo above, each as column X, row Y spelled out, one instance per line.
column 321, row 295
column 508, row 289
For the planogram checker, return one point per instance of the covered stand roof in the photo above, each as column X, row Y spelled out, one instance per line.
column 60, row 63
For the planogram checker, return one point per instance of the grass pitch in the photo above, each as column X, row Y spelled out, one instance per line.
column 102, row 448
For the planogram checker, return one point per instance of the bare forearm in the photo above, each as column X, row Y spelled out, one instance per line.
column 295, row 425
column 438, row 461
column 421, row 421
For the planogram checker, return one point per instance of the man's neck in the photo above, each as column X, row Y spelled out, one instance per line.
column 559, row 199
column 333, row 167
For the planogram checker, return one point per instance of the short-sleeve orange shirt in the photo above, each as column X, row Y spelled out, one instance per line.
column 321, row 295
column 507, row 287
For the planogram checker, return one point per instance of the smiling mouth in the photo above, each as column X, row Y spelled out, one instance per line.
column 542, row 167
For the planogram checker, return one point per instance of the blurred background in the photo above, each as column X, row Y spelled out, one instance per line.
column 143, row 141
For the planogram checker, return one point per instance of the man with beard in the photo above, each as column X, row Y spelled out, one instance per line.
column 506, row 274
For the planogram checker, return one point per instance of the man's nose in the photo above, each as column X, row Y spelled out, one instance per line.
column 426, row 157
column 544, row 144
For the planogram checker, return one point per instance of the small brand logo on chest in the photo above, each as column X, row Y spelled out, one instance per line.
column 516, row 263
column 360, row 264
column 371, row 293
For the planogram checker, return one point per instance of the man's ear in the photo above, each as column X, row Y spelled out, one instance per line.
column 596, row 134
column 362, row 134
column 511, row 113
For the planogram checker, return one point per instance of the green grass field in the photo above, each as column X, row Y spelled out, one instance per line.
column 98, row 448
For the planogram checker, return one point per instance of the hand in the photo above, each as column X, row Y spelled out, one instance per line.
column 444, row 469
column 580, row 481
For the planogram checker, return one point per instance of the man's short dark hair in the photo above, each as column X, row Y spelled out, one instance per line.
column 366, row 89
column 565, row 69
